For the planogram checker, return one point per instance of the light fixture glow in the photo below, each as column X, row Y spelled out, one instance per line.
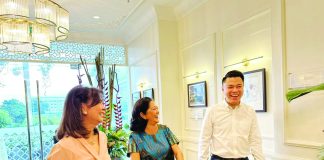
column 245, row 62
column 196, row 75
column 11, row 5
column 96, row 17
column 22, row 33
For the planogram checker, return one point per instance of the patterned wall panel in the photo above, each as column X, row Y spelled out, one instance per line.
column 62, row 52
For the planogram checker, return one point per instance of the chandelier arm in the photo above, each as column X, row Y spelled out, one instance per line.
column 63, row 33
column 41, row 49
column 46, row 22
column 3, row 47
column 13, row 16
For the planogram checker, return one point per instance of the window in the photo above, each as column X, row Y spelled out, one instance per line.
column 54, row 80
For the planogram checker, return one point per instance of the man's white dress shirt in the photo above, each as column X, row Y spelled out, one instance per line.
column 230, row 133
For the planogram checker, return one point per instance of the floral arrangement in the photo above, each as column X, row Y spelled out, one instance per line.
column 117, row 136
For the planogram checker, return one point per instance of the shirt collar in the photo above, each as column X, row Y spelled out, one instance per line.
column 225, row 104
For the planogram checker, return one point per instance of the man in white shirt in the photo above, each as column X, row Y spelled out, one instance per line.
column 230, row 130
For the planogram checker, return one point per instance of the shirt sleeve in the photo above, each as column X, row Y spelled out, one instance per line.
column 205, row 136
column 132, row 146
column 255, row 139
column 172, row 139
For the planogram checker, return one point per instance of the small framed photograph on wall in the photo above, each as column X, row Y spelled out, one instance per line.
column 255, row 90
column 149, row 93
column 136, row 96
column 197, row 94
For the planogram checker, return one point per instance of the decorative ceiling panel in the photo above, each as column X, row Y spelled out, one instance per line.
column 62, row 52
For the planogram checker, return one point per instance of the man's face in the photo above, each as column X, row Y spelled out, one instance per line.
column 233, row 90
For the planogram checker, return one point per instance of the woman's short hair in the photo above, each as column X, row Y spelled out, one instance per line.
column 137, row 123
column 71, row 122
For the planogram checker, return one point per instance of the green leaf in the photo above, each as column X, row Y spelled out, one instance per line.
column 293, row 94
column 321, row 153
column 117, row 142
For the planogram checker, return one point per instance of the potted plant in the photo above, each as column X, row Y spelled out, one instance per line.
column 117, row 141
column 117, row 135
column 321, row 153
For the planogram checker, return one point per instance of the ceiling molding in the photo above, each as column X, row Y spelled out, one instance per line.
column 138, row 22
column 185, row 7
column 120, row 21
column 145, row 15
column 131, row 12
column 165, row 13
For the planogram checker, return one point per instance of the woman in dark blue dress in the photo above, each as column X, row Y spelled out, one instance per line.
column 150, row 140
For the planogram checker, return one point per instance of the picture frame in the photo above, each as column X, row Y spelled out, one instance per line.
column 197, row 94
column 149, row 93
column 255, row 90
column 136, row 96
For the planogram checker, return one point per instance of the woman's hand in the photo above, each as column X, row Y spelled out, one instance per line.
column 135, row 156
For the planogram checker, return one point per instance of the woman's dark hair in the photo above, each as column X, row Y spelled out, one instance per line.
column 137, row 123
column 71, row 122
column 233, row 74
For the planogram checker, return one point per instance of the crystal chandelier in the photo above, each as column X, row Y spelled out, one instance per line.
column 28, row 26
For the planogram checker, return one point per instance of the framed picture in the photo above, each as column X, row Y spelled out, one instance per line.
column 149, row 93
column 136, row 96
column 197, row 94
column 255, row 90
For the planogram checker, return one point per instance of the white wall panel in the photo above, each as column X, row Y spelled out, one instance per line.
column 142, row 46
column 249, row 39
column 304, row 53
column 142, row 58
column 198, row 57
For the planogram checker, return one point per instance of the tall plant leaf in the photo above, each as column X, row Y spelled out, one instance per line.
column 85, row 67
column 111, row 91
column 107, row 118
column 79, row 75
column 99, row 60
column 118, row 111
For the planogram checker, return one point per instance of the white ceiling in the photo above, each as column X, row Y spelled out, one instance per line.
column 113, row 16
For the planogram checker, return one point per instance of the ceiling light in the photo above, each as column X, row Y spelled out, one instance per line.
column 26, row 28
column 96, row 17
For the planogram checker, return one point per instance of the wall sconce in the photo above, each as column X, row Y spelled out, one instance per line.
column 245, row 61
column 195, row 74
column 141, row 85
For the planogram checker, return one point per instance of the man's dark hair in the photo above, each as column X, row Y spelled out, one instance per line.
column 137, row 123
column 233, row 73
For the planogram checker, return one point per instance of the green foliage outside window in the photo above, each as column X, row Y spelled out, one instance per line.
column 16, row 111
column 5, row 119
column 47, row 120
column 13, row 114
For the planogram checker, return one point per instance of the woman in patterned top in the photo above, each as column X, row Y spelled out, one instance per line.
column 150, row 140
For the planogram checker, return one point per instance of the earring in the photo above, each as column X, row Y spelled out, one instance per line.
column 84, row 112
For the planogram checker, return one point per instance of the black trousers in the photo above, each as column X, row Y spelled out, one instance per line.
column 215, row 157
